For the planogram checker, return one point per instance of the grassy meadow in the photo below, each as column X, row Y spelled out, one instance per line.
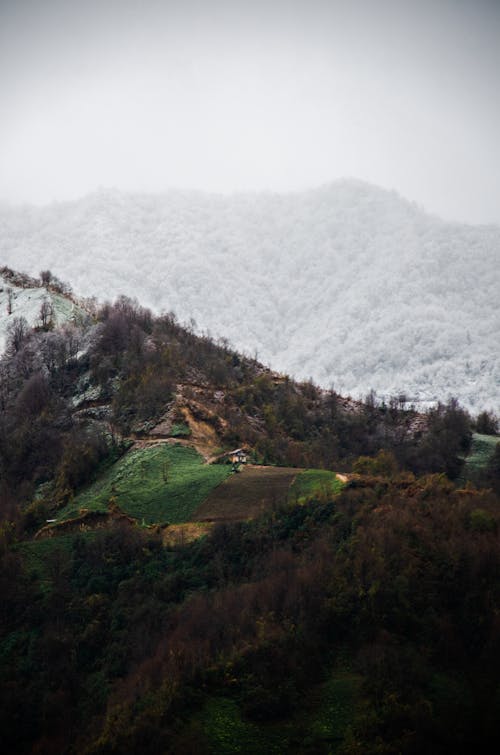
column 320, row 725
column 481, row 451
column 314, row 483
column 159, row 484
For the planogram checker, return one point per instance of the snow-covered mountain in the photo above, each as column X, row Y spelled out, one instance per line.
column 349, row 284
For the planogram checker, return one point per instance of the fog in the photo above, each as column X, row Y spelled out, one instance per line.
column 232, row 96
column 349, row 284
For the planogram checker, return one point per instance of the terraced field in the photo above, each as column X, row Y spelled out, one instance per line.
column 157, row 484
column 171, row 484
column 247, row 494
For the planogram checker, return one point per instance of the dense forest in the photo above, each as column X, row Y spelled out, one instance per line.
column 363, row 621
column 343, row 283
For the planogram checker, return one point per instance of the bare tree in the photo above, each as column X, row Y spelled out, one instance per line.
column 17, row 333
column 4, row 387
column 165, row 472
column 73, row 341
column 10, row 296
column 34, row 396
column 46, row 314
column 46, row 277
column 50, row 352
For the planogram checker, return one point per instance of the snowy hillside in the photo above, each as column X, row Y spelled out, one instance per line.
column 349, row 284
column 25, row 300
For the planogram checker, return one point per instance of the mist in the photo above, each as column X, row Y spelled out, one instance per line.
column 238, row 96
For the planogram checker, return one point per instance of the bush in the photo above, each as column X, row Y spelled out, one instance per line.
column 487, row 423
column 384, row 464
column 481, row 521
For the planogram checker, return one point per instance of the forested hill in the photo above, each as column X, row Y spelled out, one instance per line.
column 348, row 284
column 72, row 395
column 155, row 601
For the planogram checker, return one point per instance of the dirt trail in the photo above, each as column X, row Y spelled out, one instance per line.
column 149, row 441
column 203, row 436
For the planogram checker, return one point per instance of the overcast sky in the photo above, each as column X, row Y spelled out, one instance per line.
column 252, row 94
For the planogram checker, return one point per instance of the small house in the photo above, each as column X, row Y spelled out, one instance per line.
column 238, row 456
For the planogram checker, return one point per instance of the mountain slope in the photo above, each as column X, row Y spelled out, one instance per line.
column 348, row 284
column 311, row 626
column 24, row 297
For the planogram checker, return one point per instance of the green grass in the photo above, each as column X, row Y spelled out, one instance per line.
column 180, row 430
column 136, row 482
column 337, row 709
column 39, row 556
column 314, row 482
column 319, row 725
column 228, row 733
column 481, row 451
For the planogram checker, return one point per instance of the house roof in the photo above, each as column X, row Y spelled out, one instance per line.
column 236, row 451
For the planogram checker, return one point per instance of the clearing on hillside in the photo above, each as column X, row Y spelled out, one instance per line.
column 246, row 494
column 315, row 482
column 481, row 450
column 161, row 483
column 323, row 719
column 39, row 556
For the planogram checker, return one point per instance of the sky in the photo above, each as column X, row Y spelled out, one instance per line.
column 237, row 95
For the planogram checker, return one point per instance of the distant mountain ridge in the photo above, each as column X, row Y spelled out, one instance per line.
column 348, row 284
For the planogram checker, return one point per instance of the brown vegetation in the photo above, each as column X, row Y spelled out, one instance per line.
column 247, row 494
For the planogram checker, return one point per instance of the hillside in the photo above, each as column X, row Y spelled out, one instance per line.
column 348, row 284
column 43, row 306
column 76, row 397
column 156, row 600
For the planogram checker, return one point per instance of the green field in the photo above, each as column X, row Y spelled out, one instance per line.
column 227, row 732
column 314, row 483
column 167, row 483
column 162, row 483
column 41, row 556
column 481, row 451
column 339, row 702
column 320, row 725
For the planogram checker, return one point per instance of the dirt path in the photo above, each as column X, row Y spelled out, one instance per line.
column 150, row 441
column 203, row 437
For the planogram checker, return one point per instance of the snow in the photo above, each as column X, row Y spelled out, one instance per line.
column 348, row 284
column 26, row 302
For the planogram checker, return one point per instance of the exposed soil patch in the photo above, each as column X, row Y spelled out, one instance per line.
column 203, row 434
column 181, row 534
column 342, row 477
column 246, row 494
